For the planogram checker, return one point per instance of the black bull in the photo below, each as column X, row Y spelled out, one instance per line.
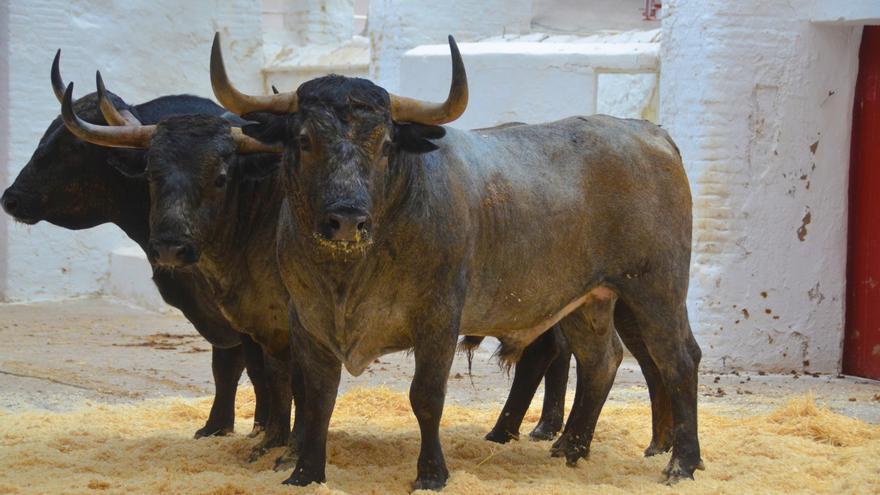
column 76, row 185
column 387, row 241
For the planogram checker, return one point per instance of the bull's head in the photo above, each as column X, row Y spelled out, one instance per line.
column 342, row 138
column 68, row 181
column 190, row 160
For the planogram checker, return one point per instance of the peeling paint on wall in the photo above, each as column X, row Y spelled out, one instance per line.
column 802, row 230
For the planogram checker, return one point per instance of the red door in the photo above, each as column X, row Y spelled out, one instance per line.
column 861, row 350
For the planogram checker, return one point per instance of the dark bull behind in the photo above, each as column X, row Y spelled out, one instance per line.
column 77, row 185
column 184, row 224
column 585, row 221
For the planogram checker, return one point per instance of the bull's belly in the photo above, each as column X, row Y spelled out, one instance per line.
column 518, row 322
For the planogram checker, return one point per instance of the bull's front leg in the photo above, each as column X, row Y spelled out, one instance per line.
column 434, row 350
column 226, row 365
column 321, row 371
column 255, row 365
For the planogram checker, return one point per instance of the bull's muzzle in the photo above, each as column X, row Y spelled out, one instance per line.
column 345, row 225
column 174, row 253
column 20, row 206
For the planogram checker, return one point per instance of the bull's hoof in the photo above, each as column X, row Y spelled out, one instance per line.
column 256, row 453
column 544, row 431
column 257, row 430
column 269, row 441
column 569, row 448
column 678, row 470
column 305, row 477
column 210, row 430
column 657, row 448
column 287, row 460
column 435, row 483
column 499, row 435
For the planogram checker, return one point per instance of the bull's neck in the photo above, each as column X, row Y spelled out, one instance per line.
column 129, row 207
column 246, row 229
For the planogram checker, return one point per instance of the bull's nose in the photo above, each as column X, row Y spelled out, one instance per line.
column 173, row 253
column 346, row 225
column 9, row 202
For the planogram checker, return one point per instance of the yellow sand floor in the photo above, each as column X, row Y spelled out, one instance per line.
column 374, row 442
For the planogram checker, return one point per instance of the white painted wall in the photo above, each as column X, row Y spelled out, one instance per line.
column 759, row 100
column 395, row 26
column 144, row 49
column 585, row 16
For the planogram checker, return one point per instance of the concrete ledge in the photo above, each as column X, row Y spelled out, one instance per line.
column 528, row 81
column 131, row 279
column 845, row 12
column 601, row 57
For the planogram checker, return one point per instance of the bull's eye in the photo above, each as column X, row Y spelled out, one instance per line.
column 305, row 144
column 220, row 181
column 386, row 148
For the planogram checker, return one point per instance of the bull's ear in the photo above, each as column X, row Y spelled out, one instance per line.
column 130, row 163
column 265, row 127
column 258, row 166
column 414, row 138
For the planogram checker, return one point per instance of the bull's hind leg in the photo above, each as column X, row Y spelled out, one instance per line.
column 667, row 336
column 278, row 425
column 590, row 334
column 287, row 460
column 555, row 383
column 527, row 376
column 661, row 405
column 227, row 366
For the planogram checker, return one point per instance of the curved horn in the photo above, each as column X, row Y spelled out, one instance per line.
column 117, row 137
column 111, row 114
column 57, row 83
column 422, row 112
column 247, row 144
column 238, row 102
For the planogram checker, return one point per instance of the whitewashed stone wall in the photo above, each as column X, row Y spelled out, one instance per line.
column 396, row 26
column 144, row 49
column 759, row 99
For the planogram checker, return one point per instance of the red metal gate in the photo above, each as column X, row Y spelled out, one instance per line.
column 861, row 351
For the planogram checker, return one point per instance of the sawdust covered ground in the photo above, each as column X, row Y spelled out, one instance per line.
column 147, row 448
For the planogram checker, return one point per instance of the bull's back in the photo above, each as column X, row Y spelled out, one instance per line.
column 559, row 207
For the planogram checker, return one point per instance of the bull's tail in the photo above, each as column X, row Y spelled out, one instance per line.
column 468, row 345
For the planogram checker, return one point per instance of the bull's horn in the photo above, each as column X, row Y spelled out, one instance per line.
column 247, row 144
column 111, row 114
column 422, row 112
column 238, row 102
column 57, row 83
column 127, row 136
